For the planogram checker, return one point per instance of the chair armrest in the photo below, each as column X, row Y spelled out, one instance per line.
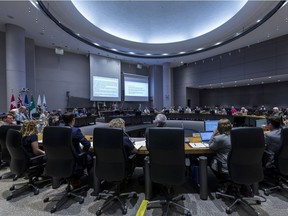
column 132, row 156
column 36, row 158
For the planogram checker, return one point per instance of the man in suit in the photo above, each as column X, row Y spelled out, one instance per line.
column 272, row 139
column 77, row 139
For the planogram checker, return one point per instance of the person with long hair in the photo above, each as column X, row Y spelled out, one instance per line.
column 29, row 133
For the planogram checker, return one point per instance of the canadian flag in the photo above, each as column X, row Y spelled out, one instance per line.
column 13, row 102
column 19, row 103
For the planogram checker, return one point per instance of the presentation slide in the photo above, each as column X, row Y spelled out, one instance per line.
column 136, row 87
column 105, row 79
column 105, row 87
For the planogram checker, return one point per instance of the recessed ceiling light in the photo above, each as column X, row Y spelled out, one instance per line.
column 278, row 80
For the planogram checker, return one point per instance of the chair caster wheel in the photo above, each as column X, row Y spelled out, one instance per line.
column 182, row 198
column 99, row 212
column 217, row 196
column 98, row 197
column 258, row 202
column 53, row 210
column 46, row 200
column 9, row 197
column 124, row 211
column 266, row 192
column 228, row 210
column 188, row 214
column 135, row 195
column 36, row 192
column 81, row 201
column 12, row 188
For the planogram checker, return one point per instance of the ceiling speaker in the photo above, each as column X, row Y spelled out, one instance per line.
column 59, row 51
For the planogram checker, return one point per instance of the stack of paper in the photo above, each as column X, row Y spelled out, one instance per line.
column 139, row 144
column 198, row 145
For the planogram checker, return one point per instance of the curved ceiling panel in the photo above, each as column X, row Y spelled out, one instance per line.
column 158, row 21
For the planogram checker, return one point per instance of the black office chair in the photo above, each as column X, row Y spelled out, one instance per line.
column 239, row 121
column 61, row 162
column 22, row 165
column 244, row 163
column 111, row 164
column 167, row 162
column 5, row 156
column 278, row 175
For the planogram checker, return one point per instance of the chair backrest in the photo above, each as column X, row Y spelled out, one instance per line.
column 61, row 157
column 245, row 158
column 166, row 155
column 111, row 162
column 3, row 132
column 281, row 157
column 19, row 158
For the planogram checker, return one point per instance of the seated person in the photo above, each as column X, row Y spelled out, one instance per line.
column 160, row 120
column 128, row 146
column 220, row 142
column 146, row 111
column 272, row 139
column 29, row 133
column 8, row 119
column 77, row 139
column 233, row 110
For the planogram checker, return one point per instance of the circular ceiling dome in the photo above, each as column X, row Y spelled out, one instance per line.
column 158, row 22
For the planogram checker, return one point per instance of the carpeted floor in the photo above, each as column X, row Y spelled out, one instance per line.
column 30, row 204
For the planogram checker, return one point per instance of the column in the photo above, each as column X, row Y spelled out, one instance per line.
column 156, row 89
column 15, row 61
column 167, row 86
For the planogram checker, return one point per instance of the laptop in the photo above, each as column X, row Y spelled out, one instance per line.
column 205, row 136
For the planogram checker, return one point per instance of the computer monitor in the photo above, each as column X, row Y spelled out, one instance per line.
column 210, row 125
column 260, row 122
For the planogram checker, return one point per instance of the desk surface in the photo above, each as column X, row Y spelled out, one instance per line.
column 188, row 149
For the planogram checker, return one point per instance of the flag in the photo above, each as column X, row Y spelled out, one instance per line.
column 19, row 103
column 26, row 101
column 12, row 103
column 39, row 104
column 44, row 106
column 32, row 107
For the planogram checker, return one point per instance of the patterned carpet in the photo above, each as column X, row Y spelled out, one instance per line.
column 30, row 204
